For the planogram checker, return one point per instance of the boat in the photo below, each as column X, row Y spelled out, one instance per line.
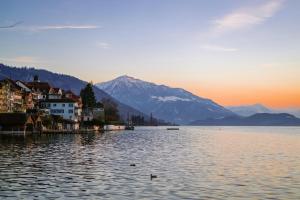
column 129, row 127
column 114, row 127
column 172, row 129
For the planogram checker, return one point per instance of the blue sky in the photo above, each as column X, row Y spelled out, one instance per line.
column 229, row 50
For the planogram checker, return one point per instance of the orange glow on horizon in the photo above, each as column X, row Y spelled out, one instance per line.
column 268, row 97
column 229, row 95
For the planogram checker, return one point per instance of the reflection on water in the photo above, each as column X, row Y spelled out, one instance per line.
column 192, row 163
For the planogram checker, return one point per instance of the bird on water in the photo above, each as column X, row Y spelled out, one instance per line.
column 152, row 176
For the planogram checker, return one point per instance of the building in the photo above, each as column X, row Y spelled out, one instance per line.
column 62, row 107
column 55, row 93
column 40, row 90
column 16, row 122
column 11, row 97
column 90, row 114
column 78, row 106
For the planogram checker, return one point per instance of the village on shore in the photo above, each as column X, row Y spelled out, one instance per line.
column 37, row 107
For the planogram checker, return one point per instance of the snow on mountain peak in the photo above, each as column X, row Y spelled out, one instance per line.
column 170, row 98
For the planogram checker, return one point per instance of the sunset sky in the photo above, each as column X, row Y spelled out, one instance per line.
column 234, row 52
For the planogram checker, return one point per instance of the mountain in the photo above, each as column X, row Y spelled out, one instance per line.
column 259, row 119
column 170, row 104
column 247, row 110
column 65, row 82
column 293, row 111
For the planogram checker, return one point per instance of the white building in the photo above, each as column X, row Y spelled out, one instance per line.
column 62, row 107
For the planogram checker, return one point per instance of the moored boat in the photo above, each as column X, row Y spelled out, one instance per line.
column 114, row 127
column 172, row 129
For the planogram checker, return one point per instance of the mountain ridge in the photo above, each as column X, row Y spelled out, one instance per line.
column 172, row 104
column 247, row 110
column 258, row 119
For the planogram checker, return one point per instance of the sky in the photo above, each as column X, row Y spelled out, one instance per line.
column 234, row 52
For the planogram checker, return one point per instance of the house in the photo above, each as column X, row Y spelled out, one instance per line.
column 27, row 95
column 55, row 93
column 62, row 107
column 40, row 90
column 78, row 106
column 16, row 122
column 23, row 85
column 11, row 97
column 90, row 114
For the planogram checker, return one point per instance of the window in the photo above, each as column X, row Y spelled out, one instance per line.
column 57, row 111
column 63, row 105
column 70, row 111
column 54, row 105
column 70, row 105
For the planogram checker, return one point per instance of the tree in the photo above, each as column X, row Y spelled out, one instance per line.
column 88, row 96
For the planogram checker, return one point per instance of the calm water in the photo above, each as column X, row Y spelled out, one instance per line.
column 193, row 163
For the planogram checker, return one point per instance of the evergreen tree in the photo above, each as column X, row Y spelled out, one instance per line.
column 88, row 96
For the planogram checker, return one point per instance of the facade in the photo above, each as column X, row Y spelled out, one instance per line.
column 78, row 105
column 62, row 107
column 11, row 97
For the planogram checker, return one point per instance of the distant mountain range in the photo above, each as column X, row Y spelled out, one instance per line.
column 137, row 97
column 65, row 82
column 260, row 119
column 170, row 104
column 248, row 110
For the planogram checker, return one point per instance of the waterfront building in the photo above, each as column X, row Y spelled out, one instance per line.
column 90, row 114
column 18, row 122
column 78, row 105
column 11, row 97
column 62, row 107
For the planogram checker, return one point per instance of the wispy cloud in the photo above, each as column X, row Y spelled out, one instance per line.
column 103, row 45
column 246, row 17
column 22, row 60
column 12, row 25
column 218, row 48
column 61, row 27
column 56, row 27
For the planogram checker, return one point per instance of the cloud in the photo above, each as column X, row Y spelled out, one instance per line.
column 246, row 17
column 103, row 45
column 56, row 27
column 22, row 60
column 218, row 48
column 61, row 27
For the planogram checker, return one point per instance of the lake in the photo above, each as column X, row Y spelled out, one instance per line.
column 192, row 163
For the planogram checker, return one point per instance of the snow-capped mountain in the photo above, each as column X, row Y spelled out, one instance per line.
column 171, row 104
column 247, row 110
